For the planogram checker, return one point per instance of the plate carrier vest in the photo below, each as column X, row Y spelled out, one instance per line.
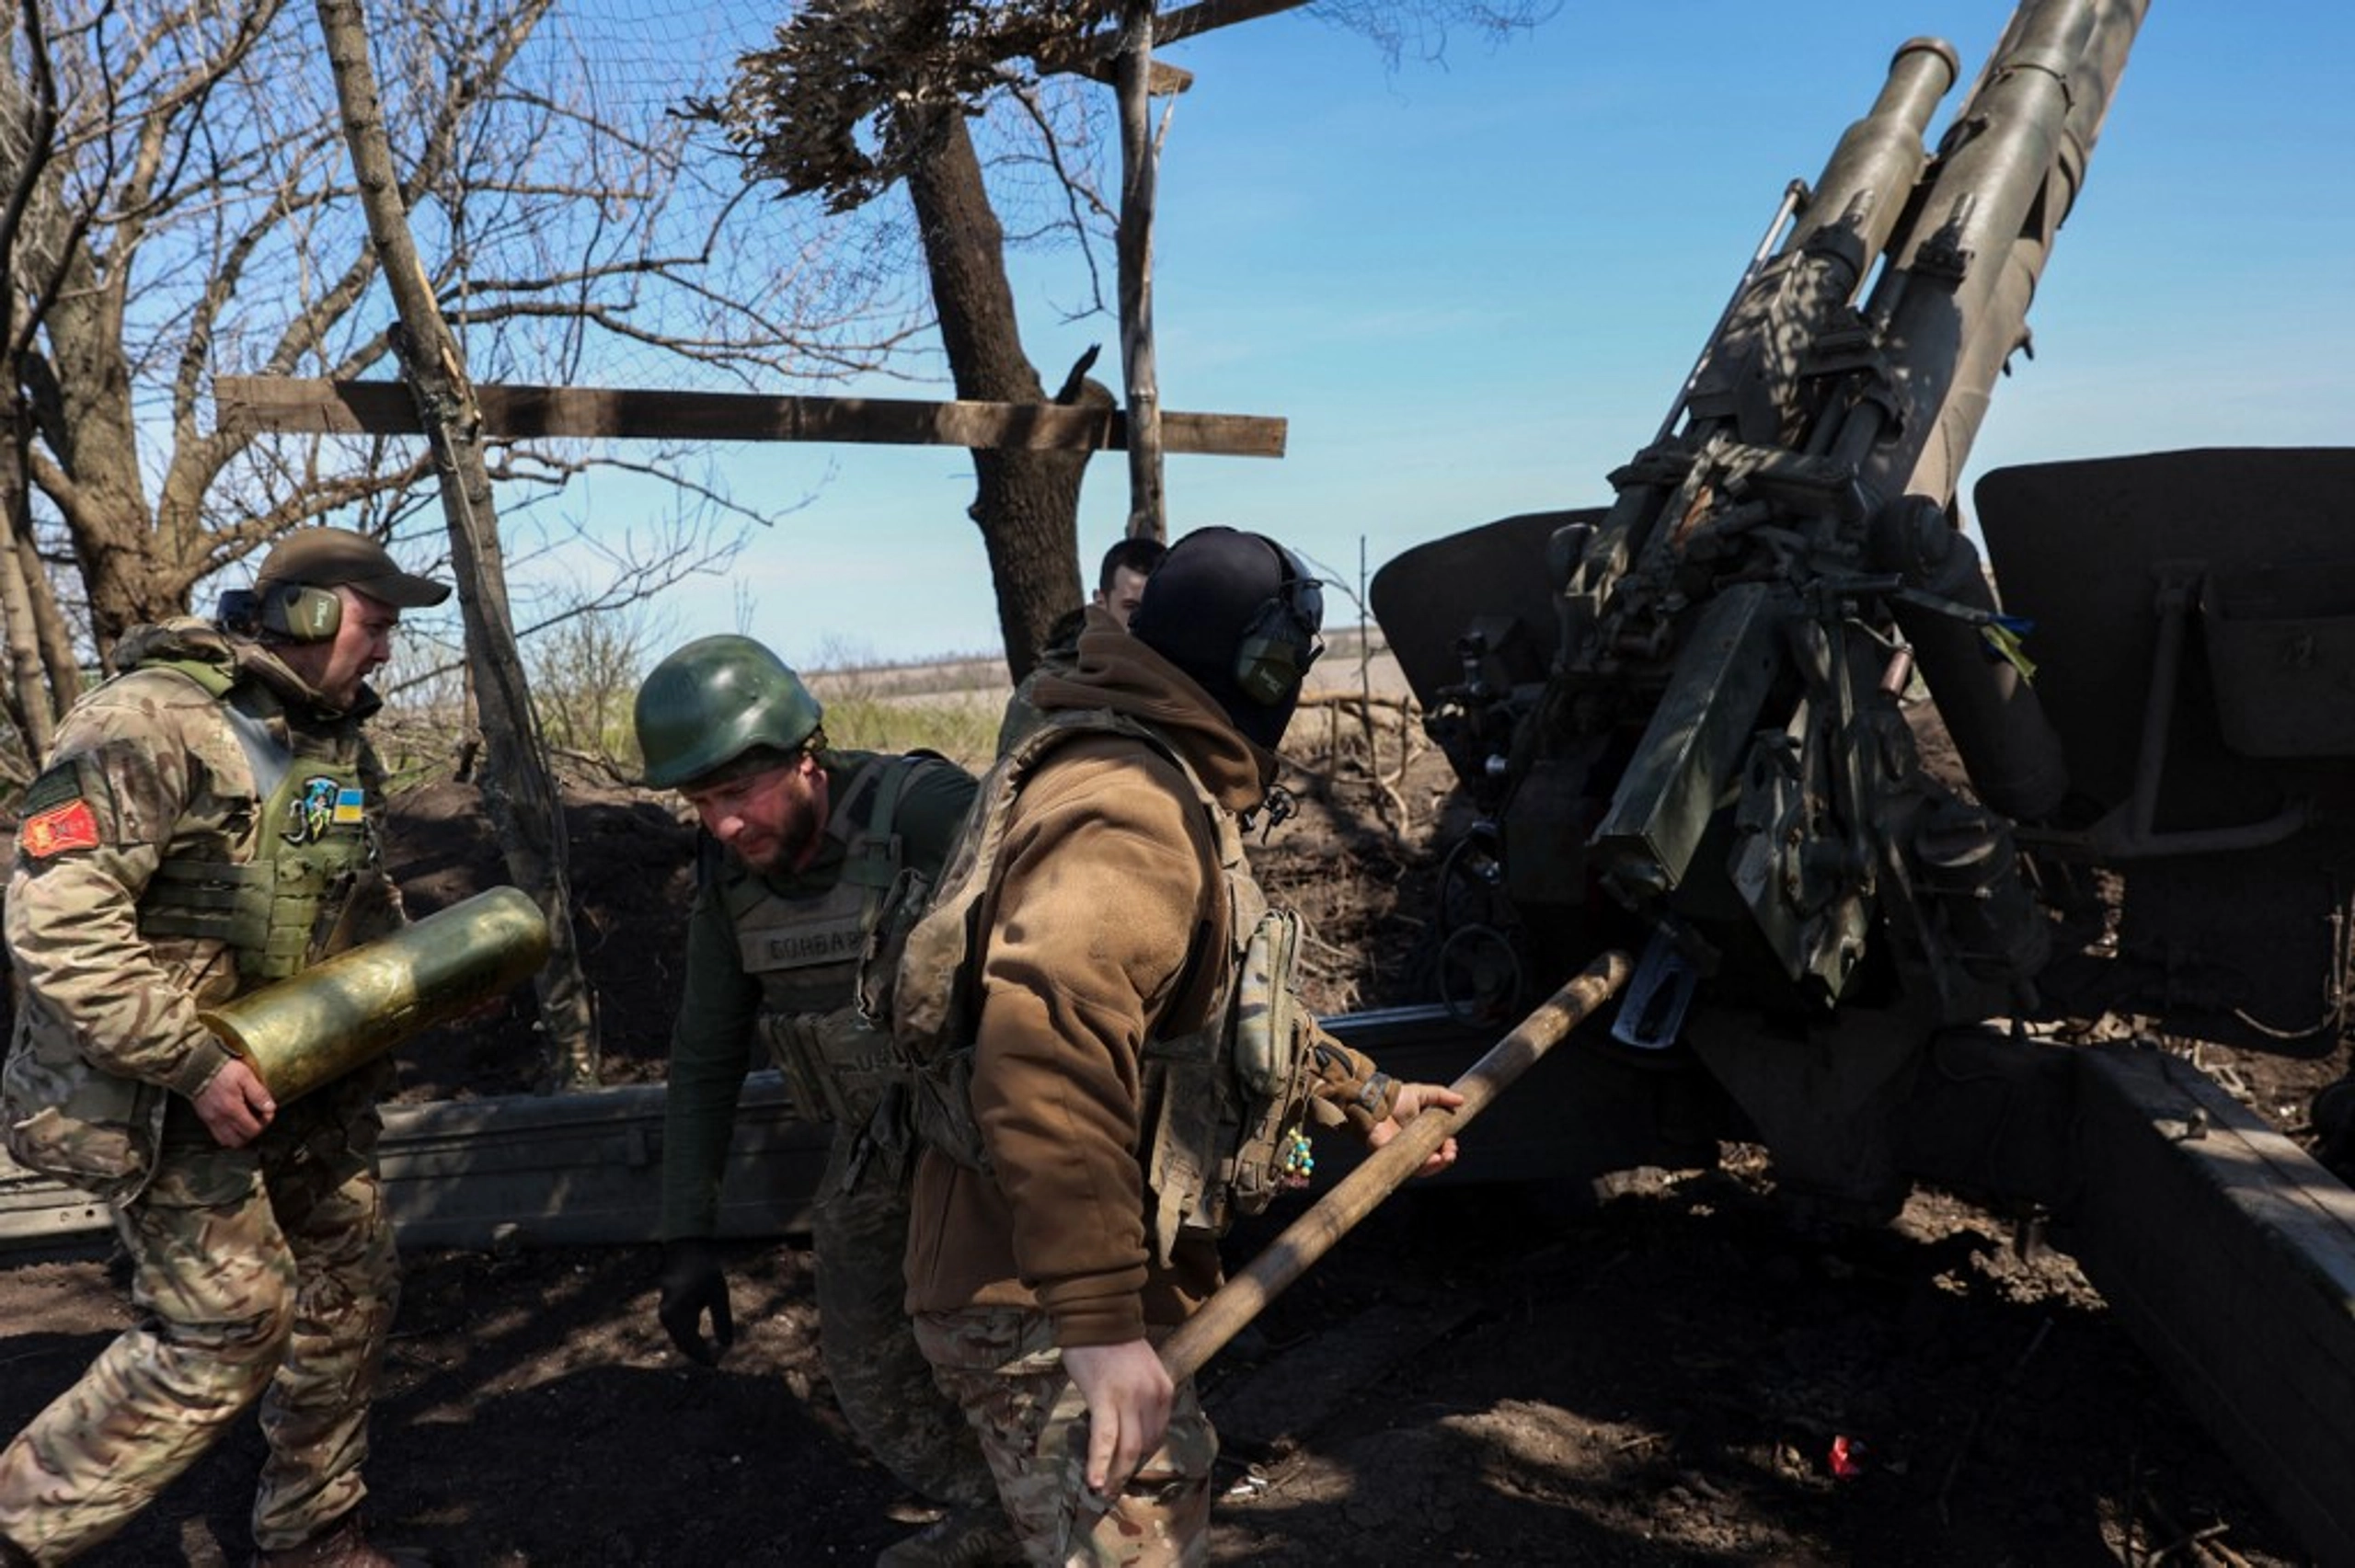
column 805, row 953
column 1221, row 1105
column 316, row 854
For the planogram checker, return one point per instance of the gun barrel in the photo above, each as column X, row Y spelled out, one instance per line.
column 1957, row 291
column 1750, row 375
column 1956, row 297
column 1873, row 167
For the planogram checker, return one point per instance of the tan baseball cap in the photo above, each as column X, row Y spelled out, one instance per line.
column 334, row 558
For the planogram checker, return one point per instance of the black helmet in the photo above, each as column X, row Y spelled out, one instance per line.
column 715, row 699
column 1239, row 613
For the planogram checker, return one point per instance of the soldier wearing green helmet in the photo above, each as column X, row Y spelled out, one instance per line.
column 801, row 845
column 714, row 701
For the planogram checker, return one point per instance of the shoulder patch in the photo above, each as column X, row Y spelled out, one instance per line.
column 73, row 826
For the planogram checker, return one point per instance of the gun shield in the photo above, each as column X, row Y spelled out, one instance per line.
column 351, row 1009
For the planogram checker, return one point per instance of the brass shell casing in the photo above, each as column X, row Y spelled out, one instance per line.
column 351, row 1008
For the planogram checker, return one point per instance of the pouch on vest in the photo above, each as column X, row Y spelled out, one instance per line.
column 793, row 1046
column 1225, row 1132
column 930, row 940
column 807, row 952
column 1270, row 1067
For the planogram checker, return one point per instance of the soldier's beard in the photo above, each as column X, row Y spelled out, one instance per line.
column 772, row 855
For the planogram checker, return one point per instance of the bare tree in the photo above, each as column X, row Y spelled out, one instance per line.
column 189, row 212
column 859, row 96
column 182, row 206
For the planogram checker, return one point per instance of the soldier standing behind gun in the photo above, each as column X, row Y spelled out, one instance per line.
column 1070, row 1195
column 802, row 843
column 1119, row 586
column 209, row 821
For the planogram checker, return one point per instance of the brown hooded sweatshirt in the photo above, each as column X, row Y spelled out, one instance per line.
column 1099, row 901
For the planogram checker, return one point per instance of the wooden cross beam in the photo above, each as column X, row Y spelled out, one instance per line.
column 248, row 405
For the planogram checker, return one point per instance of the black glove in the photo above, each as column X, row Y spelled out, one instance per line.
column 692, row 1284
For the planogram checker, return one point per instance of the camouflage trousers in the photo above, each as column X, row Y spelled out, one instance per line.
column 881, row 1379
column 266, row 1271
column 1002, row 1365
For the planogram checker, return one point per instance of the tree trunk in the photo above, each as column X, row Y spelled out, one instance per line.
column 516, row 787
column 1148, row 512
column 1026, row 503
column 81, row 402
column 34, row 704
column 50, row 632
column 35, row 700
column 29, row 695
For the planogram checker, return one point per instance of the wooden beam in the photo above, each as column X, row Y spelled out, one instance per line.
column 249, row 404
column 1092, row 56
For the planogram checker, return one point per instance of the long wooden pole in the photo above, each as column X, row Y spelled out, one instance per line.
column 1140, row 182
column 1357, row 1195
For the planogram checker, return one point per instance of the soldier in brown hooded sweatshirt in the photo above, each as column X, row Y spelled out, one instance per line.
column 208, row 821
column 1042, row 1268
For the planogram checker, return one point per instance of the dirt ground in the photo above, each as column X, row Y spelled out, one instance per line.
column 1679, row 1373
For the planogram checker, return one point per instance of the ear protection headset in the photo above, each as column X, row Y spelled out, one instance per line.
column 1280, row 642
column 300, row 612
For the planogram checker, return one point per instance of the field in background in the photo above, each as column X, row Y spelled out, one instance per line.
column 952, row 706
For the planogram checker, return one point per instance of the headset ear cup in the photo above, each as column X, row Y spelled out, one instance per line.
column 1272, row 659
column 300, row 612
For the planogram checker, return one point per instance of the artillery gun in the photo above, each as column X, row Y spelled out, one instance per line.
column 1886, row 837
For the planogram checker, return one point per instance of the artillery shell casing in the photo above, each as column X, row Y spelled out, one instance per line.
column 350, row 1009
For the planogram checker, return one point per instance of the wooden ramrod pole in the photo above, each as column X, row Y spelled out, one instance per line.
column 1311, row 1235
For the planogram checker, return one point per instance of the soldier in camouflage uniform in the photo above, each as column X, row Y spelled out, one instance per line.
column 802, row 843
column 208, row 822
column 1069, row 1195
column 1119, row 584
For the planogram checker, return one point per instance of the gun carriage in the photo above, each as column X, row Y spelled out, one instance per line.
column 1888, row 823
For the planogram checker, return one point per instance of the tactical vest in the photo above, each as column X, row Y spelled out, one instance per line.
column 1221, row 1106
column 805, row 953
column 315, row 858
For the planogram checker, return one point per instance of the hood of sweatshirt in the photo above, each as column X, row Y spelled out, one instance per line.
column 1117, row 671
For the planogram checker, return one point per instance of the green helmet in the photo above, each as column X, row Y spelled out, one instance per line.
column 713, row 700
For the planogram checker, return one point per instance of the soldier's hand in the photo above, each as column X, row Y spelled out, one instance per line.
column 1129, row 1394
column 692, row 1284
column 235, row 1106
column 1414, row 1099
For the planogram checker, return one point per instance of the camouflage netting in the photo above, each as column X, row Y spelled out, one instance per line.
column 841, row 104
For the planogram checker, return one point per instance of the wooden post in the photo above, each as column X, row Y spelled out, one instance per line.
column 1132, row 76
column 517, row 788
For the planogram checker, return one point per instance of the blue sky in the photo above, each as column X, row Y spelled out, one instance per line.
column 1472, row 288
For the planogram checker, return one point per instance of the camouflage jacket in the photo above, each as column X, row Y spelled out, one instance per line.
column 151, row 771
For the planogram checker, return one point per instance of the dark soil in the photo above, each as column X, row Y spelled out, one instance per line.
column 1679, row 1372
